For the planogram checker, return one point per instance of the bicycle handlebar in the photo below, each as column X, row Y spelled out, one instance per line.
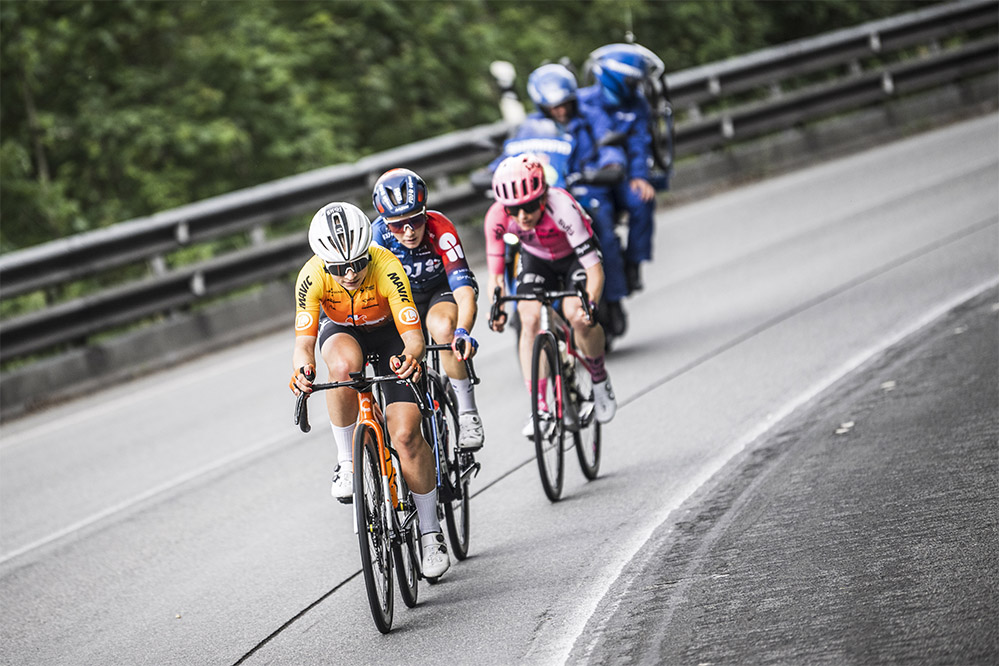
column 359, row 383
column 468, row 361
column 545, row 297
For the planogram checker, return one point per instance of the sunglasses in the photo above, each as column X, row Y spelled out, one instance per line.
column 340, row 270
column 528, row 207
column 414, row 222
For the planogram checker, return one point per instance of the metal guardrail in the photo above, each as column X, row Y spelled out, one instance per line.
column 910, row 44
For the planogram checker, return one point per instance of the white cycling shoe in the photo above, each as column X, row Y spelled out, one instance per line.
column 343, row 485
column 548, row 422
column 470, row 431
column 605, row 404
column 529, row 427
column 435, row 559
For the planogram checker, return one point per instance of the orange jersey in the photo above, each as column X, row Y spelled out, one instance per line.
column 384, row 296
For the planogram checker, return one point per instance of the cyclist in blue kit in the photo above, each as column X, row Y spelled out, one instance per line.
column 444, row 287
column 619, row 70
column 553, row 89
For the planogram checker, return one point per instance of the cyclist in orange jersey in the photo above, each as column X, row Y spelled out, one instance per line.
column 353, row 299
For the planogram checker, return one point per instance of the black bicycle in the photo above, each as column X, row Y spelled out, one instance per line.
column 562, row 392
column 455, row 466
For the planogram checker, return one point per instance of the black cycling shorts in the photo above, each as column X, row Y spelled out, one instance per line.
column 425, row 300
column 539, row 275
column 384, row 341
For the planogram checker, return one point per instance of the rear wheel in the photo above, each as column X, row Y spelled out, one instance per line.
column 454, row 461
column 587, row 433
column 544, row 405
column 373, row 527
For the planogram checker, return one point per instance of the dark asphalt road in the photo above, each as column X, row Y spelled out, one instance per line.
column 833, row 543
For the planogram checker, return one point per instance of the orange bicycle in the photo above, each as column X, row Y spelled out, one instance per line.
column 385, row 519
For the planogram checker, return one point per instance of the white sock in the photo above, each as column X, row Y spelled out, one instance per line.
column 465, row 392
column 427, row 511
column 344, row 437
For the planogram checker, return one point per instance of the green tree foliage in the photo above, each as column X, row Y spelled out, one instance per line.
column 115, row 109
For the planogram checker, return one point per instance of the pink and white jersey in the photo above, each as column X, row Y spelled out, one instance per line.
column 564, row 228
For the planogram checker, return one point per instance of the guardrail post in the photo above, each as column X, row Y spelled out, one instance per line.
column 158, row 264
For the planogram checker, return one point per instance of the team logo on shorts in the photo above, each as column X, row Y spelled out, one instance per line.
column 409, row 316
column 303, row 321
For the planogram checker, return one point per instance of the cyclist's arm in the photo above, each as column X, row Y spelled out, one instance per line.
column 304, row 362
column 308, row 288
column 494, row 226
column 595, row 282
column 407, row 363
column 465, row 297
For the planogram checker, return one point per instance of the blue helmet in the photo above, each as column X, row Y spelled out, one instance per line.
column 399, row 192
column 619, row 69
column 551, row 85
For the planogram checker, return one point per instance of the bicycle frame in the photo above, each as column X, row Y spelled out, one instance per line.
column 551, row 323
column 370, row 414
column 434, row 374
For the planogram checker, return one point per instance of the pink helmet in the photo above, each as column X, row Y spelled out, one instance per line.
column 519, row 179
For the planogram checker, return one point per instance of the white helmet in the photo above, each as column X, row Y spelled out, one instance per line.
column 340, row 233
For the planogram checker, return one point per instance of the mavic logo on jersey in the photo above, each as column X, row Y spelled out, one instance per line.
column 409, row 316
column 540, row 146
column 451, row 247
column 400, row 286
column 303, row 321
column 303, row 290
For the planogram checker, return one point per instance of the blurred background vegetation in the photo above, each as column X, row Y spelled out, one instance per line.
column 111, row 110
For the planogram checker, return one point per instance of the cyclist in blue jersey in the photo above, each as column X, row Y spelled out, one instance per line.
column 619, row 70
column 444, row 287
column 553, row 89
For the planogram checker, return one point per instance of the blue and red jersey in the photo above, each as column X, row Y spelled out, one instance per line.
column 439, row 259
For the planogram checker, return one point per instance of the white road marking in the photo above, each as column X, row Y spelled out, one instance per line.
column 239, row 456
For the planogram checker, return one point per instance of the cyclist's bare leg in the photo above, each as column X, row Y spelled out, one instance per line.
column 589, row 339
column 417, row 462
column 343, row 356
column 530, row 313
column 441, row 321
column 415, row 456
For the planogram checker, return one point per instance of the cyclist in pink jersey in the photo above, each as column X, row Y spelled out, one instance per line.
column 558, row 248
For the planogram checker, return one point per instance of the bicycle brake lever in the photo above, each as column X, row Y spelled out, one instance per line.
column 302, row 413
column 495, row 307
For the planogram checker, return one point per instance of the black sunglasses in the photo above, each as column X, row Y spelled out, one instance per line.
column 414, row 222
column 340, row 270
column 527, row 207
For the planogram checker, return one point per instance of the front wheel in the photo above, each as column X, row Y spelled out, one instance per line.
column 404, row 547
column 587, row 433
column 546, row 415
column 374, row 536
column 454, row 461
